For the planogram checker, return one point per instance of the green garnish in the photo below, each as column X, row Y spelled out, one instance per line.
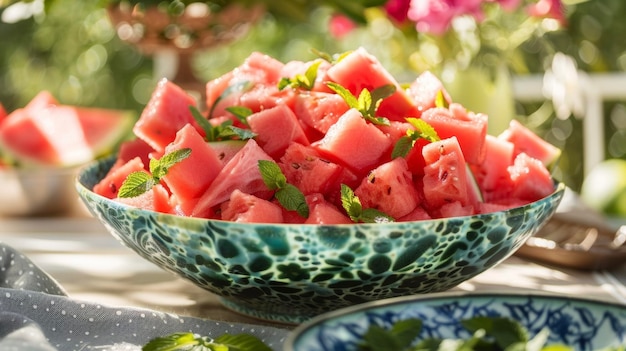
column 231, row 89
column 137, row 183
column 422, row 130
column 304, row 81
column 357, row 213
column 440, row 100
column 289, row 196
column 488, row 334
column 189, row 341
column 241, row 113
column 367, row 102
column 225, row 130
column 328, row 57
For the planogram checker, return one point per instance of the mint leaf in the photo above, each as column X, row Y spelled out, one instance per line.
column 241, row 86
column 328, row 57
column 139, row 182
column 289, row 196
column 189, row 341
column 304, row 81
column 136, row 184
column 440, row 100
column 353, row 207
column 422, row 130
column 367, row 102
column 225, row 130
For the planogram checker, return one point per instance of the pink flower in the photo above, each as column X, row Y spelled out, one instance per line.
column 341, row 25
column 398, row 9
column 435, row 16
column 548, row 8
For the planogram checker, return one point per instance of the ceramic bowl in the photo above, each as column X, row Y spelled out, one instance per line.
column 582, row 324
column 37, row 192
column 290, row 273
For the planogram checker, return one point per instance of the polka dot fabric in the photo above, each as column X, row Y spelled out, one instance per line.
column 37, row 315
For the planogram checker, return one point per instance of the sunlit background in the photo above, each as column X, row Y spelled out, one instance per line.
column 74, row 51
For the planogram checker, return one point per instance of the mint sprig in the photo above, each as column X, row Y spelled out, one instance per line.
column 225, row 130
column 422, row 130
column 241, row 86
column 353, row 207
column 367, row 102
column 304, row 81
column 190, row 341
column 288, row 195
column 137, row 183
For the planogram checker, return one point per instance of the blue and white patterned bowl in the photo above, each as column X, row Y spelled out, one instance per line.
column 583, row 324
column 290, row 273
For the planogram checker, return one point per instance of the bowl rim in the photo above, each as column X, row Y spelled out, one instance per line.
column 559, row 190
column 320, row 319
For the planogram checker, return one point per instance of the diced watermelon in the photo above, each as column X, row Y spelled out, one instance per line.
column 241, row 172
column 3, row 113
column 305, row 169
column 130, row 149
column 242, row 207
column 354, row 142
column 319, row 110
column 390, row 189
column 531, row 179
column 189, row 178
column 323, row 212
column 528, row 142
column 156, row 199
column 425, row 89
column 110, row 185
column 227, row 149
column 469, row 128
column 294, row 68
column 276, row 128
column 360, row 70
column 43, row 99
column 166, row 113
column 418, row 214
column 454, row 209
column 492, row 174
column 445, row 178
column 31, row 135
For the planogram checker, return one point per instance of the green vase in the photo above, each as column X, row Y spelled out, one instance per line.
column 479, row 91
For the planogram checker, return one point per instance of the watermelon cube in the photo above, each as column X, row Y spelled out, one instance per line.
column 469, row 128
column 390, row 189
column 242, row 207
column 156, row 199
column 167, row 111
column 360, row 70
column 323, row 212
column 531, row 180
column 354, row 142
column 492, row 175
column 276, row 128
column 110, row 185
column 189, row 178
column 445, row 177
column 305, row 169
column 528, row 142
column 319, row 110
column 425, row 89
column 242, row 173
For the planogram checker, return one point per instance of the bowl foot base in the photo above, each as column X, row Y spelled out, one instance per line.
column 266, row 315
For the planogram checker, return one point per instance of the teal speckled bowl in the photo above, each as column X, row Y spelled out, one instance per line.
column 291, row 273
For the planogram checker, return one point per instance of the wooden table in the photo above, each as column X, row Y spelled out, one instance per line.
column 91, row 265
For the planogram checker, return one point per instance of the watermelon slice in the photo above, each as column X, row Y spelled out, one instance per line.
column 166, row 113
column 248, row 208
column 528, row 142
column 360, row 70
column 241, row 172
column 203, row 160
column 30, row 136
column 276, row 128
column 469, row 128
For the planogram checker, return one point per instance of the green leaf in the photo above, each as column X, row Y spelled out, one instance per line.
column 345, row 94
column 173, row 342
column 504, row 331
column 378, row 339
column 352, row 205
column 424, row 130
column 240, row 86
column 292, row 199
column 304, row 81
column 289, row 196
column 402, row 147
column 241, row 113
column 272, row 175
column 381, row 93
column 242, row 342
column 440, row 100
column 136, row 184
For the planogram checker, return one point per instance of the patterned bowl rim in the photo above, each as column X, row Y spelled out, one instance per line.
column 312, row 323
column 84, row 191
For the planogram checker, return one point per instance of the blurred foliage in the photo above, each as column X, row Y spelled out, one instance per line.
column 73, row 51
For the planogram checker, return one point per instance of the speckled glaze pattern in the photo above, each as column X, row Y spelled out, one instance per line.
column 290, row 273
column 583, row 324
